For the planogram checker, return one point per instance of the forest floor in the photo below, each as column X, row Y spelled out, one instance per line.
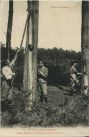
column 63, row 109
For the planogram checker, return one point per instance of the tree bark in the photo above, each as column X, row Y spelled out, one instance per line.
column 35, row 17
column 30, row 70
column 85, row 36
column 9, row 27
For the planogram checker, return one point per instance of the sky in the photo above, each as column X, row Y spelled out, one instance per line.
column 59, row 24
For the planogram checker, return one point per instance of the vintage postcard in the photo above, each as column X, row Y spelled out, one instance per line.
column 44, row 68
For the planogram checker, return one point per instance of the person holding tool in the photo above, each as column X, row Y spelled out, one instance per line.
column 7, row 72
column 74, row 74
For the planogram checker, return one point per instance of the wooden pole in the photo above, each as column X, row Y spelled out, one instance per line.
column 9, row 27
column 85, row 36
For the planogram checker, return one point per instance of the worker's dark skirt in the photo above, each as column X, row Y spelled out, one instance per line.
column 4, row 90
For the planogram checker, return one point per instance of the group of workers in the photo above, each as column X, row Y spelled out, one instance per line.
column 42, row 74
column 8, row 75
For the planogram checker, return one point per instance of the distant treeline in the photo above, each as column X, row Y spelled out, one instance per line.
column 57, row 60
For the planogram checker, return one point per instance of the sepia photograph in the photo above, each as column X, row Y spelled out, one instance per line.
column 44, row 72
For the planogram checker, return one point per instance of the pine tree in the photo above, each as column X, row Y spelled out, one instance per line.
column 9, row 27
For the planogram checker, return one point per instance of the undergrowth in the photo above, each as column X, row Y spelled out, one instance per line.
column 61, row 110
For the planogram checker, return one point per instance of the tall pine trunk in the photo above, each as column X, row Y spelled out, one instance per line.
column 30, row 68
column 35, row 15
column 85, row 36
column 9, row 27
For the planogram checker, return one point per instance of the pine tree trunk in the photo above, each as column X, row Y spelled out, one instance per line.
column 30, row 69
column 85, row 36
column 35, row 15
column 9, row 27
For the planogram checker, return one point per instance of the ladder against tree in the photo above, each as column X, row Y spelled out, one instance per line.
column 30, row 67
column 85, row 36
